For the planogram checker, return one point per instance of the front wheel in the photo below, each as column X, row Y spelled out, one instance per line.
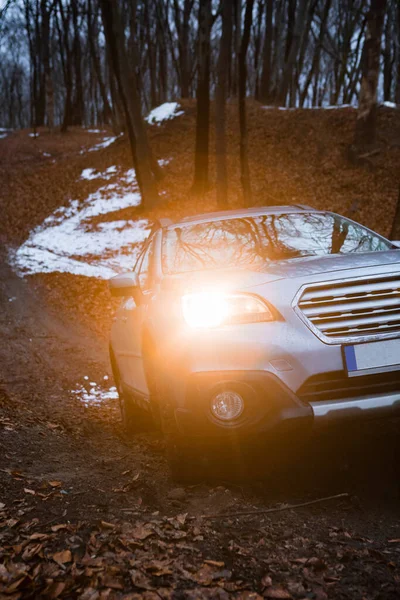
column 134, row 419
column 187, row 462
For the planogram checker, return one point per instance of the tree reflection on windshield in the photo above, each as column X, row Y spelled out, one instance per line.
column 254, row 241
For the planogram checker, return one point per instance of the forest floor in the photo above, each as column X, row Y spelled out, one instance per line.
column 86, row 512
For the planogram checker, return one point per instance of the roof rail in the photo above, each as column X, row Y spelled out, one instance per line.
column 303, row 206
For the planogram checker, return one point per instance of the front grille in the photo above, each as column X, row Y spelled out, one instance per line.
column 355, row 308
column 336, row 385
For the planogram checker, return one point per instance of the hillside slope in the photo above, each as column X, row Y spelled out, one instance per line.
column 295, row 156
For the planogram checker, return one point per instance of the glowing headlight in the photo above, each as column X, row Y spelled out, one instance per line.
column 211, row 309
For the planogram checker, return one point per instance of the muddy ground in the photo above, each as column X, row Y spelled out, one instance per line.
column 86, row 512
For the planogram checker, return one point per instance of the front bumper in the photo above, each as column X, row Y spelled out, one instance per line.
column 331, row 411
column 271, row 407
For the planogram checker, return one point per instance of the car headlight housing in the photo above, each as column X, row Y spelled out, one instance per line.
column 213, row 309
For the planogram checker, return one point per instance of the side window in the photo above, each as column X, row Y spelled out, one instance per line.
column 144, row 269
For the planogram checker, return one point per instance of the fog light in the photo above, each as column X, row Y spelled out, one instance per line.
column 227, row 405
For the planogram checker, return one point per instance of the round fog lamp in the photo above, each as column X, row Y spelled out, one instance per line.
column 227, row 405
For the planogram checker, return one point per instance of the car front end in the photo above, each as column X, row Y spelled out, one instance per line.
column 325, row 349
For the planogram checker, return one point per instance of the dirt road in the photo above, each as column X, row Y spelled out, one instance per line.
column 62, row 462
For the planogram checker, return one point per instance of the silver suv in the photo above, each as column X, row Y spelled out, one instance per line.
column 247, row 323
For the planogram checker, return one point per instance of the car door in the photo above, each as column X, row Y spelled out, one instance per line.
column 132, row 317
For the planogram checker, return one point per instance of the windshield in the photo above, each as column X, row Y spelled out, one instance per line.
column 251, row 242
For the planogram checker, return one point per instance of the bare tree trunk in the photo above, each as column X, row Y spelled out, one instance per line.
column 182, row 24
column 151, row 53
column 220, row 100
column 92, row 36
column 237, row 8
column 292, row 52
column 125, row 75
column 162, row 55
column 78, row 102
column 305, row 38
column 65, row 55
column 388, row 60
column 257, row 48
column 265, row 86
column 200, row 183
column 242, row 79
column 317, row 51
column 365, row 132
column 397, row 96
column 44, row 60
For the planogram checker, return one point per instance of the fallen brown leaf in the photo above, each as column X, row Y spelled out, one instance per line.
column 62, row 557
column 277, row 593
column 31, row 551
column 56, row 528
column 141, row 533
column 215, row 563
column 107, row 525
column 54, row 589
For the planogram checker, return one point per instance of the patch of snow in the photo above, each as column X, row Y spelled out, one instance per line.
column 94, row 131
column 91, row 173
column 33, row 135
column 68, row 242
column 12, row 298
column 47, row 154
column 4, row 129
column 107, row 141
column 95, row 395
column 168, row 110
column 3, row 135
column 389, row 104
column 88, row 174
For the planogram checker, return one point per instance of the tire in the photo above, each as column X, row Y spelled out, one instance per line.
column 187, row 462
column 134, row 419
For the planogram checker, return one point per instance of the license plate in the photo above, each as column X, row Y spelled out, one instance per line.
column 373, row 357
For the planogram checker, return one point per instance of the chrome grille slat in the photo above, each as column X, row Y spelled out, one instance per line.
column 325, row 324
column 366, row 307
column 344, row 291
column 350, row 307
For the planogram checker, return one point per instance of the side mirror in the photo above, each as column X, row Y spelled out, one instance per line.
column 126, row 285
column 396, row 243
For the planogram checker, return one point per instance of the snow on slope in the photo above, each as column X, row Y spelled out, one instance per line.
column 4, row 132
column 165, row 112
column 68, row 242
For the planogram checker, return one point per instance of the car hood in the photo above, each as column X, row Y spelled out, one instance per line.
column 314, row 265
column 230, row 279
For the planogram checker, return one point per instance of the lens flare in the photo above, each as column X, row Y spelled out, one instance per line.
column 205, row 309
column 211, row 309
